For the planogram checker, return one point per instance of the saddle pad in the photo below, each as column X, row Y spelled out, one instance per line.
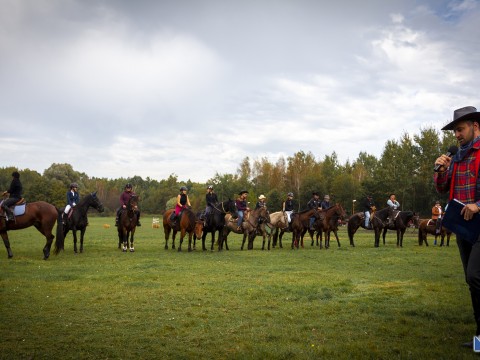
column 19, row 210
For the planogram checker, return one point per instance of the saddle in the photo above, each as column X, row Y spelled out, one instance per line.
column 17, row 209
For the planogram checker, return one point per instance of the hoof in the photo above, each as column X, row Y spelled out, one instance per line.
column 132, row 249
column 166, row 247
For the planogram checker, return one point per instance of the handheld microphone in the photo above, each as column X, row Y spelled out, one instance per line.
column 452, row 150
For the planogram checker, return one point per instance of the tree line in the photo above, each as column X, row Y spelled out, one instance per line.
column 405, row 168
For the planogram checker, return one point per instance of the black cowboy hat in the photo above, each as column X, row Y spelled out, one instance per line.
column 315, row 193
column 243, row 192
column 468, row 113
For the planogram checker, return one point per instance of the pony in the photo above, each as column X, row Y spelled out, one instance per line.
column 127, row 223
column 327, row 223
column 427, row 226
column 43, row 216
column 400, row 224
column 216, row 220
column 77, row 219
column 185, row 223
column 249, row 227
column 300, row 224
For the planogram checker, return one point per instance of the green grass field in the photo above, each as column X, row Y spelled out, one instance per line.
column 345, row 303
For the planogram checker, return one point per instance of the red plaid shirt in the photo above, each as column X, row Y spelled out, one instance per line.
column 466, row 182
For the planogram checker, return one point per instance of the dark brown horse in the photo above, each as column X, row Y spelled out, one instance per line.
column 185, row 223
column 300, row 224
column 428, row 226
column 127, row 223
column 400, row 224
column 43, row 216
column 78, row 220
column 327, row 223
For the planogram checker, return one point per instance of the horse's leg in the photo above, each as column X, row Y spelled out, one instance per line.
column 280, row 238
column 275, row 237
column 213, row 240
column 174, row 233
column 190, row 234
column 385, row 233
column 74, row 233
column 6, row 242
column 243, row 240
column 182, row 235
column 204, row 236
column 402, row 232
column 82, row 234
column 336, row 236
column 132, row 234
column 442, row 238
column 49, row 237
column 377, row 237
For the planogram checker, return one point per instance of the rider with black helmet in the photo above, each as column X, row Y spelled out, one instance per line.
column 73, row 198
column 15, row 194
column 211, row 199
column 124, row 199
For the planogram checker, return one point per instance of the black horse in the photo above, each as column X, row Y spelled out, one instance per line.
column 379, row 223
column 78, row 218
column 127, row 223
column 215, row 221
column 400, row 223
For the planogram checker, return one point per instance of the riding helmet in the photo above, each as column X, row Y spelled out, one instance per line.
column 16, row 175
column 73, row 185
column 183, row 188
column 290, row 194
column 210, row 187
column 128, row 186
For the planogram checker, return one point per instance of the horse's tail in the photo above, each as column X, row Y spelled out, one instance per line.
column 59, row 239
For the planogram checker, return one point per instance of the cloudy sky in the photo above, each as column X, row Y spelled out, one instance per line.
column 150, row 88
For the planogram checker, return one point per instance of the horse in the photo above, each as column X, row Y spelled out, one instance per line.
column 428, row 226
column 248, row 227
column 216, row 220
column 327, row 223
column 300, row 224
column 127, row 223
column 278, row 223
column 400, row 223
column 77, row 220
column 185, row 223
column 43, row 216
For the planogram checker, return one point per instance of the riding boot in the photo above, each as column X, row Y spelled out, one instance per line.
column 138, row 219
column 9, row 213
column 64, row 218
column 116, row 220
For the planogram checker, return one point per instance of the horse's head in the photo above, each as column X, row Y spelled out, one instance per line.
column 95, row 202
column 133, row 202
column 231, row 207
column 198, row 231
column 416, row 220
column 340, row 211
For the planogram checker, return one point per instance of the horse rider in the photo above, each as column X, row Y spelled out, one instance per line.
column 14, row 195
column 437, row 213
column 393, row 206
column 211, row 200
column 288, row 207
column 242, row 207
column 325, row 204
column 73, row 199
column 125, row 197
column 182, row 203
column 368, row 206
column 314, row 203
column 261, row 202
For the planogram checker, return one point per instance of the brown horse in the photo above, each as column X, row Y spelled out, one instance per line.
column 185, row 223
column 249, row 228
column 327, row 223
column 428, row 226
column 400, row 224
column 127, row 223
column 43, row 216
column 300, row 224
